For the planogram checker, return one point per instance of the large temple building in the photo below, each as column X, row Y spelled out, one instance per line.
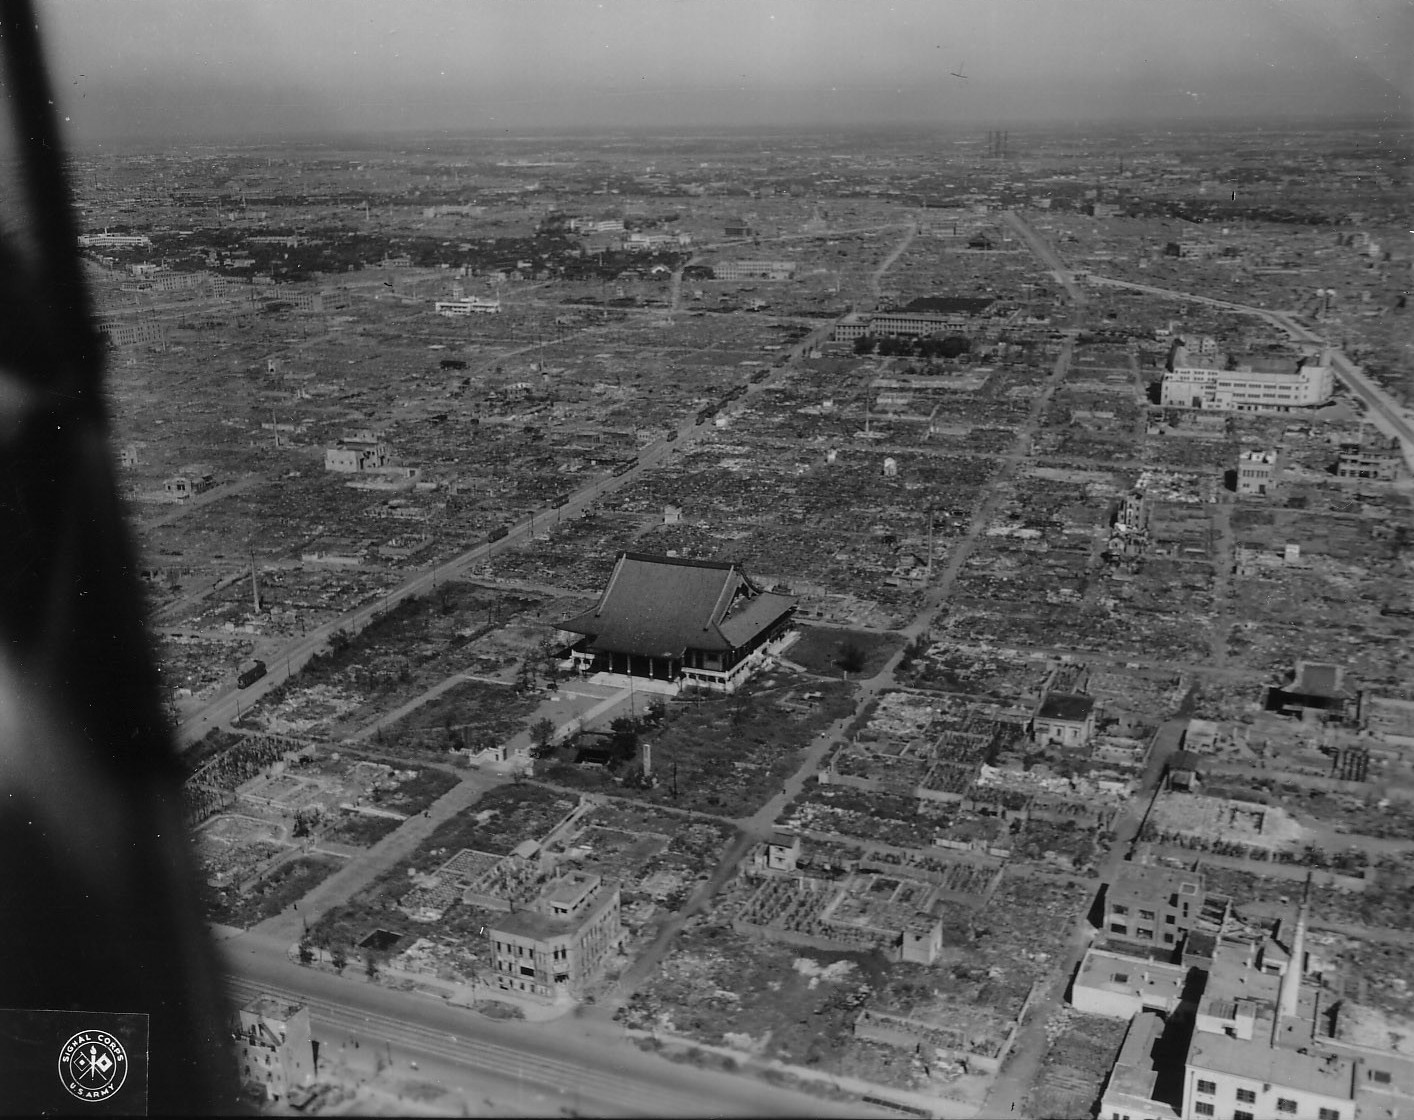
column 683, row 622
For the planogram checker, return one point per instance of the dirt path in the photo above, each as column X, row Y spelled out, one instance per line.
column 205, row 498
column 430, row 694
column 877, row 276
column 1224, row 559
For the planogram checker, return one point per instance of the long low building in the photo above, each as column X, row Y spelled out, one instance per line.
column 927, row 315
column 753, row 270
column 470, row 305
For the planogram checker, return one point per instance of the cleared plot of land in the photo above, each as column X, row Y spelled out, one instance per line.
column 724, row 756
column 413, row 646
column 858, row 654
column 287, row 884
column 467, row 714
column 760, row 997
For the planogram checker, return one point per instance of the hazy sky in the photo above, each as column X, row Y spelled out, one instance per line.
column 201, row 67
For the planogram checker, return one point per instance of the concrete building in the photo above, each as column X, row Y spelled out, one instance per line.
column 1267, row 1044
column 1246, row 1079
column 357, row 451
column 1067, row 718
column 556, row 947
column 106, row 240
column 852, row 326
column 1153, row 906
column 753, row 270
column 782, row 851
column 1258, row 384
column 1129, row 532
column 179, row 488
column 130, row 332
column 1131, row 1093
column 467, row 305
column 1256, row 473
column 1374, row 457
column 1122, row 987
column 274, row 1051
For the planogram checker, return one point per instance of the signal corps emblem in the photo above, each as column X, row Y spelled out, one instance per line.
column 93, row 1065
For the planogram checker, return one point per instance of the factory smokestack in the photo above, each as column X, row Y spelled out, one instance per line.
column 1291, row 981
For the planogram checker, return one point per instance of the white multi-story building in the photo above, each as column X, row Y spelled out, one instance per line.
column 1256, row 472
column 1251, row 1057
column 555, row 948
column 357, row 451
column 1258, row 385
column 753, row 270
column 106, row 240
column 274, row 1051
column 468, row 305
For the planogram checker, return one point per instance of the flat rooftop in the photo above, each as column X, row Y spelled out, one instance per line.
column 571, row 891
column 1136, row 1069
column 272, row 1007
column 1314, row 1071
column 1071, row 706
column 1114, row 972
column 1318, row 678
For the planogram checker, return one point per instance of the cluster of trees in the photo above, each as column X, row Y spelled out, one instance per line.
column 306, row 820
column 1218, row 210
column 926, row 346
column 242, row 761
column 202, row 801
column 851, row 657
column 611, row 263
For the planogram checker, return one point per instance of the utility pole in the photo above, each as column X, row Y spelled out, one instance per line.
column 930, row 544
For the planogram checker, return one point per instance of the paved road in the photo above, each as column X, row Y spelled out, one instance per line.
column 877, row 276
column 538, row 1068
column 1042, row 249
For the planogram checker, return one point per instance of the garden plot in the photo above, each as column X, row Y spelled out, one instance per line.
column 279, row 887
column 1019, row 937
column 229, row 864
column 1080, row 1052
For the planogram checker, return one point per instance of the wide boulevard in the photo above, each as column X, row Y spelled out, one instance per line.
column 567, row 1065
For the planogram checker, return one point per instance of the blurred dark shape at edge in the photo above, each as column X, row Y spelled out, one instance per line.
column 99, row 889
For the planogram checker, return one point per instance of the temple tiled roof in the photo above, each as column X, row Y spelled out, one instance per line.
column 660, row 606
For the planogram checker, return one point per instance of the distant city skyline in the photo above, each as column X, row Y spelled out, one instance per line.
column 151, row 68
